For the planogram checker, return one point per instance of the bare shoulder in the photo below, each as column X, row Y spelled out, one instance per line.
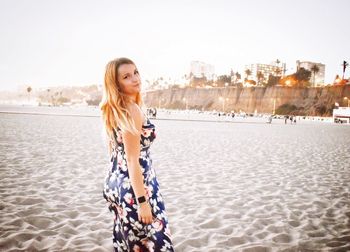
column 136, row 114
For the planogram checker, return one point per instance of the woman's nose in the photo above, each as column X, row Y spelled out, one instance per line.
column 135, row 78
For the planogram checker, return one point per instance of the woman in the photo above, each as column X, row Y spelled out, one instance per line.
column 131, row 187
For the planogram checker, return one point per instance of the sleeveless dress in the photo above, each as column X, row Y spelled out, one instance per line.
column 130, row 234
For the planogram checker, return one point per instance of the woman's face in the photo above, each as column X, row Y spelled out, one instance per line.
column 129, row 79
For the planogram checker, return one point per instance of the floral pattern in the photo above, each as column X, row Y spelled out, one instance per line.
column 129, row 234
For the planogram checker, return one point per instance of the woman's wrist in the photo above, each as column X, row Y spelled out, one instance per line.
column 141, row 200
column 142, row 205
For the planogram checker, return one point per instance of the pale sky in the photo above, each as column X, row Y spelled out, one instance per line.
column 69, row 42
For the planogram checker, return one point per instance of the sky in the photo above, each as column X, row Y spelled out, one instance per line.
column 69, row 42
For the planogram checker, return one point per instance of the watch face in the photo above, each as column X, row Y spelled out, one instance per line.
column 141, row 199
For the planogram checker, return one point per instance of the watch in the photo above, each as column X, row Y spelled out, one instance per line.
column 141, row 199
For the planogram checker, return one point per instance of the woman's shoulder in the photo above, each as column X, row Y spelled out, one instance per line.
column 136, row 112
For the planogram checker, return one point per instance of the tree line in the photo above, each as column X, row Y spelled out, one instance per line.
column 300, row 78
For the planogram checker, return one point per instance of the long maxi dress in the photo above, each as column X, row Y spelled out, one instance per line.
column 129, row 234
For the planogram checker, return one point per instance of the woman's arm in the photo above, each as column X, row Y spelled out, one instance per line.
column 106, row 140
column 109, row 148
column 132, row 152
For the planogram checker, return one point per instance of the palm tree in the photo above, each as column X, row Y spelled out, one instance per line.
column 29, row 89
column 232, row 74
column 345, row 64
column 277, row 71
column 314, row 69
column 238, row 76
column 259, row 76
column 248, row 73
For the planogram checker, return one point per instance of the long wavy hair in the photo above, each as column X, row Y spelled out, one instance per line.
column 114, row 102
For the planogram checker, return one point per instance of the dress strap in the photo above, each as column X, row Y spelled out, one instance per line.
column 114, row 145
column 114, row 139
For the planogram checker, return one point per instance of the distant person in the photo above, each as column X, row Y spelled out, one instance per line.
column 151, row 112
column 269, row 120
column 154, row 112
column 285, row 119
column 291, row 119
column 131, row 187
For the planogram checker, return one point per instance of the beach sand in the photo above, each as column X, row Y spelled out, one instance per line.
column 226, row 186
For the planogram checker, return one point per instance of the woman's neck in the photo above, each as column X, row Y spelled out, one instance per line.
column 131, row 99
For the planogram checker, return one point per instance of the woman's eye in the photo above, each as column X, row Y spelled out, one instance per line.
column 136, row 72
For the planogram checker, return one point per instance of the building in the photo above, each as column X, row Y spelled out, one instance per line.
column 201, row 69
column 319, row 76
column 266, row 70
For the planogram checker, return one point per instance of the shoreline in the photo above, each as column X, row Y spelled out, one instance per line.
column 253, row 120
column 163, row 114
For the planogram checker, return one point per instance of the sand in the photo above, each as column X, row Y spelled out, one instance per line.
column 226, row 186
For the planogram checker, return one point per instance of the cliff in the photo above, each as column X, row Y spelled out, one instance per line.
column 317, row 101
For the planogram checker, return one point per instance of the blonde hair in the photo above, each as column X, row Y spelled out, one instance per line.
column 114, row 102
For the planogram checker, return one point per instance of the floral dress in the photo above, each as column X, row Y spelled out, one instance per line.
column 129, row 234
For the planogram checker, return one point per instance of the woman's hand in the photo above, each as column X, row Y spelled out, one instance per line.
column 145, row 213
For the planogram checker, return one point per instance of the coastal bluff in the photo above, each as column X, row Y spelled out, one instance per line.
column 315, row 101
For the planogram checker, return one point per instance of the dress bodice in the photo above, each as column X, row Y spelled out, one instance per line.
column 148, row 135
